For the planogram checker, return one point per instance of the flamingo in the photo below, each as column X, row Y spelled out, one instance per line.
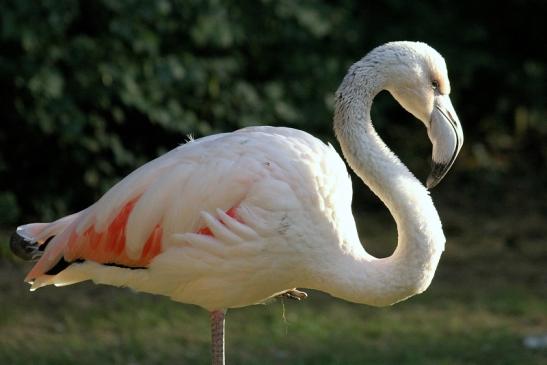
column 234, row 219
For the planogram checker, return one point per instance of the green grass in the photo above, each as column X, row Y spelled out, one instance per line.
column 486, row 297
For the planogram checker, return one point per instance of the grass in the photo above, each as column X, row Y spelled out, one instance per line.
column 489, row 293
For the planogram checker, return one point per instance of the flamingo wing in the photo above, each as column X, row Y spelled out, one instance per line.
column 221, row 222
column 133, row 222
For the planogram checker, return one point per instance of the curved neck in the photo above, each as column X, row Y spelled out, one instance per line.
column 410, row 268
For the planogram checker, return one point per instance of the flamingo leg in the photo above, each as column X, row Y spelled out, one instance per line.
column 217, row 336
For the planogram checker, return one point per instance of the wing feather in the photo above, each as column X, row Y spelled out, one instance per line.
column 135, row 220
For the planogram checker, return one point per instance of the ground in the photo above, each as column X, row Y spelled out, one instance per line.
column 488, row 296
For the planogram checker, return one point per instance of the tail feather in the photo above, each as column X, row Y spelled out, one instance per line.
column 29, row 241
column 40, row 232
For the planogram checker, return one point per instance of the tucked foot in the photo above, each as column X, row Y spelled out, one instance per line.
column 295, row 294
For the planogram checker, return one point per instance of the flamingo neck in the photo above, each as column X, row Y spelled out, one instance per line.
column 410, row 269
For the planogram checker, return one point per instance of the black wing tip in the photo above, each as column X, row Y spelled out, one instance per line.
column 24, row 248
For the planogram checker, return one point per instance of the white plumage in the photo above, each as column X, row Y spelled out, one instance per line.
column 233, row 219
column 266, row 173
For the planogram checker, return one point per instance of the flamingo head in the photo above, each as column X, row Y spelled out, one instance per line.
column 418, row 79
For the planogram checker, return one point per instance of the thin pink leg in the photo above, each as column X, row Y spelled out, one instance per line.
column 217, row 336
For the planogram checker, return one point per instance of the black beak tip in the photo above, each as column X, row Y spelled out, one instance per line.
column 438, row 170
column 431, row 182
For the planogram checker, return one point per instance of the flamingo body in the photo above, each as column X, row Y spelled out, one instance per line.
column 223, row 221
column 234, row 219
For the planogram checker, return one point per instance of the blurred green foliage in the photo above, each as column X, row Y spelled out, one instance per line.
column 92, row 89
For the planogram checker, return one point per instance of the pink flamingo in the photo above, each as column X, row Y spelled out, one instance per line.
column 233, row 219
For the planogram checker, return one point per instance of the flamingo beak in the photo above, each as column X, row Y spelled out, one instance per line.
column 446, row 135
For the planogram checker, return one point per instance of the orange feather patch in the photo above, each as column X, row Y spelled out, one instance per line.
column 109, row 246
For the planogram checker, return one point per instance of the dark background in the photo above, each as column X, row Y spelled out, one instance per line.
column 92, row 89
